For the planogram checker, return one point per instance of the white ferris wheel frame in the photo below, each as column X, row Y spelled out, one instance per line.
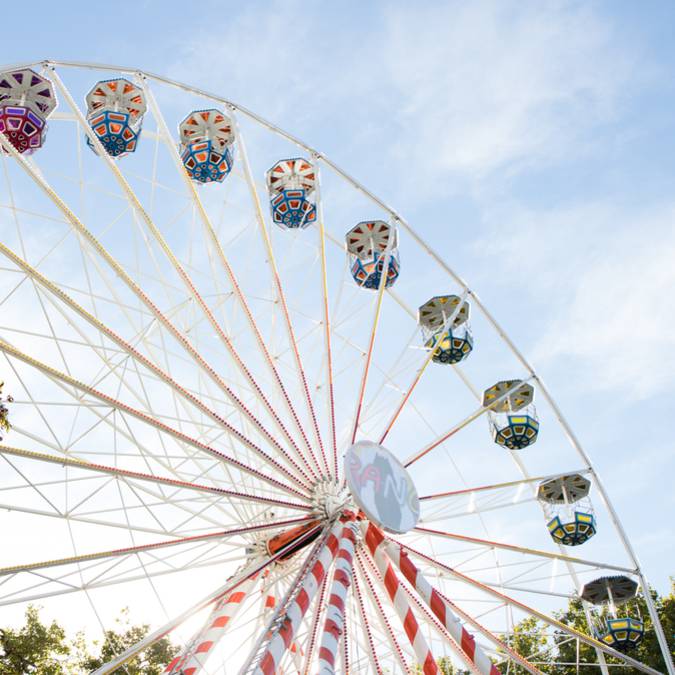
column 301, row 476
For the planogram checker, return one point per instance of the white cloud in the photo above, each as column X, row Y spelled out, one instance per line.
column 604, row 279
column 454, row 90
column 488, row 84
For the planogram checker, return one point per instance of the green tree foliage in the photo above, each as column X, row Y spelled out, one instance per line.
column 150, row 662
column 34, row 648
column 37, row 649
column 529, row 639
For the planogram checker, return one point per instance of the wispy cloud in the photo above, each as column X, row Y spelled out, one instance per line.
column 603, row 276
column 452, row 91
column 489, row 84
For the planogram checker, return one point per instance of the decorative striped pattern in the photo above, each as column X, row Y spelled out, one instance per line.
column 194, row 657
column 374, row 540
column 269, row 603
column 364, row 560
column 342, row 578
column 283, row 637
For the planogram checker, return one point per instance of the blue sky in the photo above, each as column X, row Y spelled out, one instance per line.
column 532, row 142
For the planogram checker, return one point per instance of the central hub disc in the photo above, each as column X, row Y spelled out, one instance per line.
column 382, row 487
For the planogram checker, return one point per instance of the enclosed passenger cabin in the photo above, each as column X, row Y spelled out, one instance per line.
column 290, row 185
column 444, row 320
column 115, row 110
column 26, row 101
column 616, row 616
column 369, row 245
column 565, row 499
column 206, row 138
column 512, row 415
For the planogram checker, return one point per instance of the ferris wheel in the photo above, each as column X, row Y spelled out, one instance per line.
column 243, row 395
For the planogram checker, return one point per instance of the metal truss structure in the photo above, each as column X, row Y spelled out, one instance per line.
column 186, row 376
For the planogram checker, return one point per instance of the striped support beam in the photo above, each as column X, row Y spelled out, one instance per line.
column 342, row 578
column 269, row 603
column 376, row 541
column 396, row 594
column 194, row 657
column 283, row 637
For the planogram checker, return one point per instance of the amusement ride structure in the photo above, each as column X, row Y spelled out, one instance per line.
column 242, row 391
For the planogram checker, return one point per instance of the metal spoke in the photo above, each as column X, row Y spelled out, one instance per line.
column 52, row 372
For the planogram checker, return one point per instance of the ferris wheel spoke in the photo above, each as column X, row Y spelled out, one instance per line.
column 134, row 475
column 213, row 238
column 374, row 408
column 330, row 392
column 159, row 316
column 282, row 299
column 465, row 422
column 522, row 549
column 373, row 333
column 52, row 372
column 180, row 270
column 499, row 486
column 114, row 571
column 114, row 553
column 420, row 371
column 128, row 435
column 156, row 370
column 372, row 651
column 554, row 623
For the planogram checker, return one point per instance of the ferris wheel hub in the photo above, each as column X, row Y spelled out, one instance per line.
column 330, row 498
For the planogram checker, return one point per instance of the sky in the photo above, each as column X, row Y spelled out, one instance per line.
column 532, row 142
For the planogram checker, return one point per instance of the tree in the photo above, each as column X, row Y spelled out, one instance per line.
column 37, row 649
column 530, row 638
column 34, row 648
column 152, row 661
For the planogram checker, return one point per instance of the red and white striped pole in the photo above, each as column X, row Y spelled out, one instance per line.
column 194, row 657
column 376, row 541
column 342, row 579
column 399, row 601
column 283, row 638
column 269, row 603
